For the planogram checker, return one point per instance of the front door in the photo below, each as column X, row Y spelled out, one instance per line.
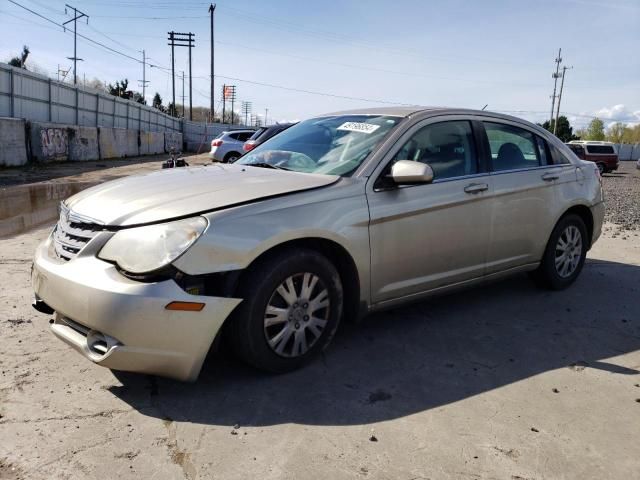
column 428, row 236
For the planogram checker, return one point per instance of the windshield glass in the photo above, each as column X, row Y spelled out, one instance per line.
column 328, row 145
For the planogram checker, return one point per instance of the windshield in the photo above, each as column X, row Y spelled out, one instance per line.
column 328, row 145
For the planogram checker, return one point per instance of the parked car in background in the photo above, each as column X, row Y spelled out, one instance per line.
column 338, row 216
column 227, row 147
column 603, row 154
column 263, row 134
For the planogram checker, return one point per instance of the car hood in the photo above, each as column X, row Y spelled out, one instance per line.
column 180, row 192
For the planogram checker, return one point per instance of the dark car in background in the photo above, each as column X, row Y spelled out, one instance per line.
column 603, row 154
column 263, row 134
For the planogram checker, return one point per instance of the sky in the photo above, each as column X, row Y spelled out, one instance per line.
column 355, row 53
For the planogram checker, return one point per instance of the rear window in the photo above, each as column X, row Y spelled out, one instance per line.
column 257, row 133
column 601, row 149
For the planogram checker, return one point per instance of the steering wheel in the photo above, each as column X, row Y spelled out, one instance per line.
column 300, row 161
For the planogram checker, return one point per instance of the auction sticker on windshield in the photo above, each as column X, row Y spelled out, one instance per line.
column 358, row 127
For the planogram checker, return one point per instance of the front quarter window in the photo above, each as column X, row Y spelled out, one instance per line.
column 334, row 145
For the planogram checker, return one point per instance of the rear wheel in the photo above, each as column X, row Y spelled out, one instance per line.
column 602, row 168
column 231, row 157
column 565, row 254
column 290, row 312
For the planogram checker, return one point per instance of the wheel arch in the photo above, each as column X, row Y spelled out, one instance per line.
column 337, row 254
column 585, row 214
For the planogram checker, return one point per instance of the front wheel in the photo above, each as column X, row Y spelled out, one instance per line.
column 565, row 254
column 291, row 309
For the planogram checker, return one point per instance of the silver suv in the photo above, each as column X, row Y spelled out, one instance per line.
column 227, row 147
column 336, row 217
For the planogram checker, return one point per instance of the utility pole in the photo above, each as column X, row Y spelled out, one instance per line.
column 77, row 14
column 224, row 101
column 266, row 110
column 173, row 71
column 182, row 40
column 555, row 77
column 246, row 109
column 183, row 94
column 144, row 77
column 233, row 99
column 212, row 9
column 564, row 72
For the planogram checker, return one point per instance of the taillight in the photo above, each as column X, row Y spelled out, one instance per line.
column 216, row 143
column 247, row 147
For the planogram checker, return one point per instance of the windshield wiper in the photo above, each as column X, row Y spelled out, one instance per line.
column 267, row 165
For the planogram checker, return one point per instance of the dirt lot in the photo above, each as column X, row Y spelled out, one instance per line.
column 100, row 170
column 501, row 382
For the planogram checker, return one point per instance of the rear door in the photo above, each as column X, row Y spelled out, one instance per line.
column 525, row 183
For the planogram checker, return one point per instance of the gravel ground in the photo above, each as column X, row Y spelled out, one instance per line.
column 622, row 197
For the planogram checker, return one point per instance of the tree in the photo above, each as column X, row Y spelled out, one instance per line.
column 157, row 102
column 595, row 130
column 616, row 132
column 20, row 60
column 565, row 131
column 138, row 98
column 119, row 89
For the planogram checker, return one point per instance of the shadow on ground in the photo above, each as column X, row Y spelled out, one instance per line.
column 419, row 357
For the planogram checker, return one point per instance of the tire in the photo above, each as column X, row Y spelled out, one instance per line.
column 602, row 168
column 231, row 157
column 270, row 331
column 558, row 270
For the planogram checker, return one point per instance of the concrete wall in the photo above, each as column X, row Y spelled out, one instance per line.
column 13, row 142
column 172, row 140
column 26, row 206
column 151, row 143
column 118, row 142
column 35, row 97
column 51, row 142
column 83, row 144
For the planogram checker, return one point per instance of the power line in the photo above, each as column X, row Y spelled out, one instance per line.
column 79, row 34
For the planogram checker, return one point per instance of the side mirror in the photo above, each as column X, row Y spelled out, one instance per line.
column 408, row 172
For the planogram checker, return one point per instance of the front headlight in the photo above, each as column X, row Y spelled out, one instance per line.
column 146, row 249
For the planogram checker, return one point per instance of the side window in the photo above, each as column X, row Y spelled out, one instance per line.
column 448, row 147
column 234, row 135
column 543, row 151
column 245, row 136
column 512, row 148
column 557, row 156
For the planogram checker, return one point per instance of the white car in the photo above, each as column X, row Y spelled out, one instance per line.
column 227, row 147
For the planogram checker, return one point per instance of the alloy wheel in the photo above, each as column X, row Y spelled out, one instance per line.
column 568, row 251
column 296, row 314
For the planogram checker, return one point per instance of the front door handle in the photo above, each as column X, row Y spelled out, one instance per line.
column 476, row 187
column 550, row 177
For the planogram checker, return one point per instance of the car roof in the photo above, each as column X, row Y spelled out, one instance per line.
column 407, row 111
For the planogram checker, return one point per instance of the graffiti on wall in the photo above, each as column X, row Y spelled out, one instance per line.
column 55, row 142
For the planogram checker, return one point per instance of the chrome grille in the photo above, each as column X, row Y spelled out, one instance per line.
column 72, row 233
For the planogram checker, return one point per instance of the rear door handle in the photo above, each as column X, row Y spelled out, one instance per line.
column 550, row 177
column 476, row 187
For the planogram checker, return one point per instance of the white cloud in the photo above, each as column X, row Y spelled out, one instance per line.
column 617, row 113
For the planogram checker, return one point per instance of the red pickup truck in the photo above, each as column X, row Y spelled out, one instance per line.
column 604, row 154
